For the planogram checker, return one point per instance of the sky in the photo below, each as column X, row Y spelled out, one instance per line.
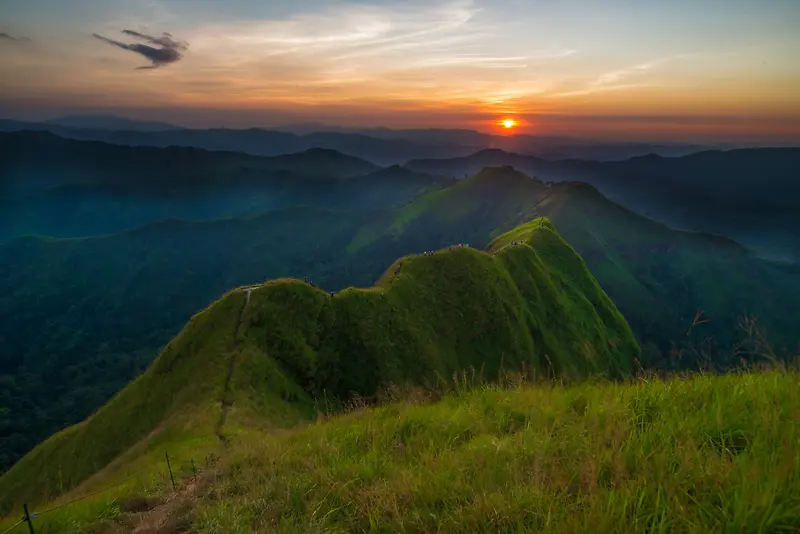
column 621, row 69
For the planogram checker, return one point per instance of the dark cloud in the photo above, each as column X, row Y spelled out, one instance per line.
column 6, row 37
column 165, row 40
column 159, row 51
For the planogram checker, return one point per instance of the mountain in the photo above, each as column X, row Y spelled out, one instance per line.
column 323, row 161
column 660, row 278
column 543, row 146
column 83, row 316
column 750, row 195
column 271, row 350
column 474, row 163
column 111, row 122
column 254, row 141
column 104, row 162
column 379, row 145
column 91, row 188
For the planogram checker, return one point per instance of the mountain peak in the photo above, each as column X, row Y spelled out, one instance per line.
column 323, row 160
column 496, row 152
column 504, row 175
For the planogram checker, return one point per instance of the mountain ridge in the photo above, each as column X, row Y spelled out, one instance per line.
column 382, row 146
column 95, row 188
column 750, row 195
column 291, row 342
column 114, row 315
column 111, row 122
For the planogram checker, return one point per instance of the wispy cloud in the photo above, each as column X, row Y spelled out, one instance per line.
column 603, row 88
column 160, row 51
column 365, row 40
column 6, row 37
column 613, row 77
column 472, row 61
column 613, row 80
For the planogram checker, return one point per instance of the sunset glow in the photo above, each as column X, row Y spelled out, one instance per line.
column 412, row 64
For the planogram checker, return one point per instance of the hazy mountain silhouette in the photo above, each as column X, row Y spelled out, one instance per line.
column 111, row 122
column 751, row 195
column 379, row 145
column 89, row 188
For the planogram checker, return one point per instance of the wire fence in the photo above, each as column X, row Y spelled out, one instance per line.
column 184, row 468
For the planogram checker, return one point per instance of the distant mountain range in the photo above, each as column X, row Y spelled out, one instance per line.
column 111, row 122
column 90, row 188
column 748, row 194
column 751, row 195
column 378, row 145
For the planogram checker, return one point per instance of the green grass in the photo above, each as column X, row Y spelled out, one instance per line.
column 291, row 349
column 432, row 315
column 697, row 454
column 178, row 395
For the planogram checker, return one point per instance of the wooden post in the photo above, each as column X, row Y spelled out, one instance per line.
column 28, row 518
column 172, row 478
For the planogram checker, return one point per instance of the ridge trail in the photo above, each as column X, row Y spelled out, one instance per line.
column 225, row 402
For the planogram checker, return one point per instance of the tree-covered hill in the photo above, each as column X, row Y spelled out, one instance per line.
column 63, row 188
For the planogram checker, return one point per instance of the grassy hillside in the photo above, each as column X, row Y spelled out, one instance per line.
column 270, row 352
column 472, row 211
column 698, row 454
column 660, row 278
column 83, row 317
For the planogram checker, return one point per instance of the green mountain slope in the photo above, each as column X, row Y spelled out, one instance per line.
column 750, row 195
column 268, row 352
column 83, row 317
column 660, row 278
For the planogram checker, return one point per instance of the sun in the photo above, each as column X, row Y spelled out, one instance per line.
column 508, row 123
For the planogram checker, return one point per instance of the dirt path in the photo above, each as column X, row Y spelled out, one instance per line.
column 225, row 401
column 170, row 516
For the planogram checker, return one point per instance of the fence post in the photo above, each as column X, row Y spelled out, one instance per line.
column 28, row 518
column 172, row 478
column 194, row 471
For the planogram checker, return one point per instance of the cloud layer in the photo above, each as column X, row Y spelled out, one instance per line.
column 160, row 51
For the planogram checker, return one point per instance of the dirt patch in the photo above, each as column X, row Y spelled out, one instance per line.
column 172, row 515
column 139, row 503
